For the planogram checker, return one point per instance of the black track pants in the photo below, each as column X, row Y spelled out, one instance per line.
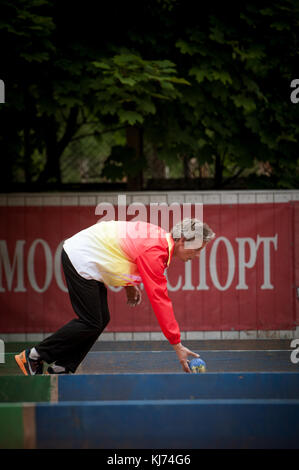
column 70, row 344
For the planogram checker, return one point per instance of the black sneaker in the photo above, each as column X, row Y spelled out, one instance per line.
column 27, row 365
column 51, row 371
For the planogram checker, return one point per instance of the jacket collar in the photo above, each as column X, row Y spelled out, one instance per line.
column 170, row 242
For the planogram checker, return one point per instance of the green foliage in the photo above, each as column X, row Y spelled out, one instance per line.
column 240, row 85
column 214, row 86
column 128, row 86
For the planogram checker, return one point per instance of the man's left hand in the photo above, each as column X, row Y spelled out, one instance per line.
column 133, row 295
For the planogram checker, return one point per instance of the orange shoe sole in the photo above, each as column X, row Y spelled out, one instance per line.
column 21, row 360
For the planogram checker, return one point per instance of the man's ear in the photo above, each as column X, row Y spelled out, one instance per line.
column 182, row 241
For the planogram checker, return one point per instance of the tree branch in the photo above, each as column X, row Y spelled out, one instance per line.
column 71, row 129
column 97, row 133
column 232, row 178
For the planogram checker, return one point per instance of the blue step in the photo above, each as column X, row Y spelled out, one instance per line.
column 169, row 424
column 174, row 386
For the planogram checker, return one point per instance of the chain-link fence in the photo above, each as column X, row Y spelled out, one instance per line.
column 83, row 159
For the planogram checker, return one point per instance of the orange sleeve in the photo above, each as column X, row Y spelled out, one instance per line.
column 151, row 266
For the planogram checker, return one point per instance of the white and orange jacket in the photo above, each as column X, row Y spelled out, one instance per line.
column 120, row 253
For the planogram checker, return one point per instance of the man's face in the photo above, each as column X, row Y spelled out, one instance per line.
column 186, row 254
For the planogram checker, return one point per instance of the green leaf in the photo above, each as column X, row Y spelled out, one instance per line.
column 216, row 35
column 187, row 48
column 244, row 102
column 179, row 80
column 222, row 76
column 101, row 65
column 130, row 117
column 126, row 81
column 200, row 74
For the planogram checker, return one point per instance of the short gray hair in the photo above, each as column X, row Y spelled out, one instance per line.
column 191, row 229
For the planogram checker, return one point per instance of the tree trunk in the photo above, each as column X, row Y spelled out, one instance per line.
column 51, row 171
column 155, row 164
column 135, row 141
column 186, row 167
column 55, row 147
column 218, row 172
column 27, row 154
column 27, row 145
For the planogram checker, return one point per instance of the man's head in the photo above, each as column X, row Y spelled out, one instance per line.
column 190, row 237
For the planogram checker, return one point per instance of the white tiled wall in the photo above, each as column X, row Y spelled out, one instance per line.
column 147, row 197
column 158, row 336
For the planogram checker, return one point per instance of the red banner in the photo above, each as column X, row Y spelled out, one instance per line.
column 242, row 281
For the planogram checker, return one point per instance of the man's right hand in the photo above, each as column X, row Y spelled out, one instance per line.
column 183, row 354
